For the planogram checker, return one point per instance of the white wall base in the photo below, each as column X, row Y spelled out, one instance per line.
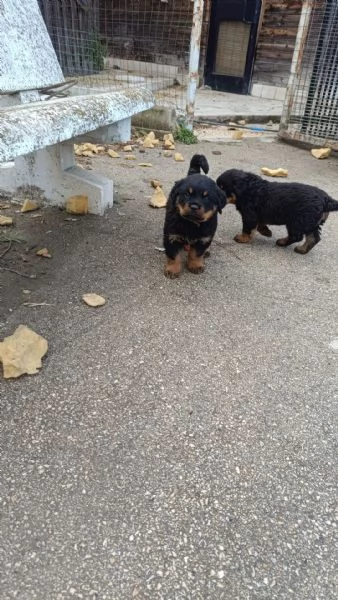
column 51, row 174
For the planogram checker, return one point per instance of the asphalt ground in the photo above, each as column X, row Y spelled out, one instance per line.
column 180, row 441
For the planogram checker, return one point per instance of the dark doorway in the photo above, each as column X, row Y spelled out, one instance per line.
column 231, row 44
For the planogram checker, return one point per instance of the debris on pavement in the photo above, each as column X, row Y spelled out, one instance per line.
column 178, row 157
column 6, row 220
column 29, row 205
column 21, row 353
column 274, row 172
column 77, row 205
column 44, row 252
column 113, row 154
column 158, row 199
column 155, row 183
column 321, row 152
column 93, row 300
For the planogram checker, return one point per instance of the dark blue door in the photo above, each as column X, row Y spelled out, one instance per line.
column 231, row 44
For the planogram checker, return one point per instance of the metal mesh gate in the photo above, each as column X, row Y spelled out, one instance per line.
column 114, row 44
column 311, row 106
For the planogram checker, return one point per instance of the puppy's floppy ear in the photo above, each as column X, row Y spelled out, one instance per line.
column 173, row 193
column 221, row 200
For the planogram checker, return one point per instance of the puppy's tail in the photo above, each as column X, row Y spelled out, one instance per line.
column 330, row 204
column 197, row 163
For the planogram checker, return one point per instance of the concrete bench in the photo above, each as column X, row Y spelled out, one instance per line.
column 39, row 134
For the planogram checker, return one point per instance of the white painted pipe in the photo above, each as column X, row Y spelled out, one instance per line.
column 194, row 57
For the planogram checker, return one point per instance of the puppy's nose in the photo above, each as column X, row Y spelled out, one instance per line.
column 194, row 205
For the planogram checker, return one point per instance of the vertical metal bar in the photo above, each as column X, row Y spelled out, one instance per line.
column 296, row 64
column 194, row 56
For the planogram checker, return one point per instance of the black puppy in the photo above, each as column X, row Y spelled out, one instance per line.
column 191, row 218
column 301, row 208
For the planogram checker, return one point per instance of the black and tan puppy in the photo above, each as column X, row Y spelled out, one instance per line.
column 191, row 218
column 301, row 208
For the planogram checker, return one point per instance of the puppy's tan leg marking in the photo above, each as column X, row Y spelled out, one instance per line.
column 243, row 238
column 310, row 242
column 173, row 267
column 195, row 263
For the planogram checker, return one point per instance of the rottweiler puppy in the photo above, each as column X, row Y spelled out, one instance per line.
column 302, row 208
column 191, row 218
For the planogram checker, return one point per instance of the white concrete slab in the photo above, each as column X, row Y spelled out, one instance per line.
column 27, row 57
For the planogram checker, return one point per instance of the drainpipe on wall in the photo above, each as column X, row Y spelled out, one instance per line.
column 194, row 57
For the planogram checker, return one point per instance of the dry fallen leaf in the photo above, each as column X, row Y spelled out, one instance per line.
column 274, row 172
column 29, row 205
column 169, row 137
column 167, row 153
column 178, row 157
column 21, row 353
column 321, row 152
column 145, row 165
column 44, row 252
column 93, row 300
column 155, row 183
column 6, row 220
column 113, row 154
column 77, row 205
column 169, row 145
column 148, row 144
column 130, row 157
column 127, row 148
column 158, row 199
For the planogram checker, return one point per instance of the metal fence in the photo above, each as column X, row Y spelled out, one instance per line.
column 311, row 106
column 114, row 44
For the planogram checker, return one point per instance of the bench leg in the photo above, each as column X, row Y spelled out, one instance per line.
column 117, row 132
column 51, row 174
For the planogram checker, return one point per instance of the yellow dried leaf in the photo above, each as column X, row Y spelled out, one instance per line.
column 21, row 353
column 237, row 134
column 148, row 144
column 77, row 205
column 168, row 137
column 155, row 183
column 130, row 157
column 178, row 157
column 168, row 144
column 44, row 252
column 321, row 152
column 145, row 165
column 6, row 220
column 113, row 154
column 93, row 300
column 158, row 199
column 29, row 205
column 167, row 153
column 274, row 172
column 128, row 148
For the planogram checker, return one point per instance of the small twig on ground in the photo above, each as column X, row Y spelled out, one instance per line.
column 7, row 249
column 18, row 273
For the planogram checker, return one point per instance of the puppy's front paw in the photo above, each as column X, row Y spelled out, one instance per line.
column 173, row 268
column 196, row 270
column 242, row 238
column 195, row 264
